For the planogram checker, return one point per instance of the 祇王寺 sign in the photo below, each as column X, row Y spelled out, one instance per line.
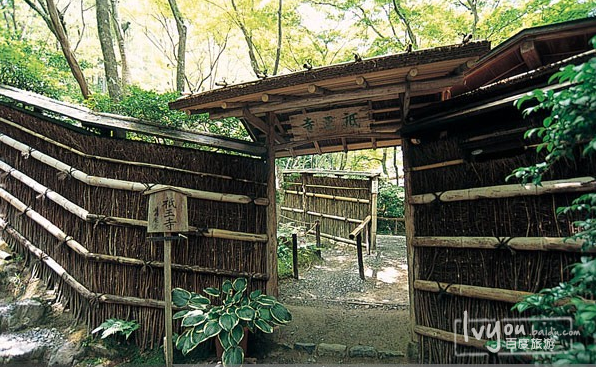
column 167, row 211
column 326, row 123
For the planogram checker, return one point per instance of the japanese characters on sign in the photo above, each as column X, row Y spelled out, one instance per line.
column 167, row 211
column 338, row 121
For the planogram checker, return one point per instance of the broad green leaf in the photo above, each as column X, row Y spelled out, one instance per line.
column 266, row 300
column 281, row 314
column 226, row 287
column 240, row 284
column 264, row 314
column 180, row 314
column 227, row 321
column 233, row 357
column 180, row 297
column 237, row 334
column 182, row 339
column 263, row 326
column 254, row 294
column 198, row 301
column 213, row 292
column 212, row 328
column 245, row 313
column 224, row 340
column 194, row 318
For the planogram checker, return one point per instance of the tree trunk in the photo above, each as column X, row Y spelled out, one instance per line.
column 58, row 29
column 181, row 54
column 119, row 32
column 102, row 8
column 395, row 165
column 279, row 34
column 254, row 63
column 406, row 22
column 384, row 162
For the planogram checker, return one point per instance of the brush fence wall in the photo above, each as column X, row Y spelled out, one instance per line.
column 476, row 243
column 96, row 253
column 340, row 204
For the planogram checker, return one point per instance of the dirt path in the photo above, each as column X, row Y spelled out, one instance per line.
column 331, row 304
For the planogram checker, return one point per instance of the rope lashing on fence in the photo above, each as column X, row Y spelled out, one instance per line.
column 443, row 294
column 437, row 197
column 44, row 195
column 65, row 241
column 503, row 244
column 24, row 212
column 63, row 175
column 27, row 154
column 7, row 174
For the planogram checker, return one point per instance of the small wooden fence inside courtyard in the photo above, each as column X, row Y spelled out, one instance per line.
column 339, row 200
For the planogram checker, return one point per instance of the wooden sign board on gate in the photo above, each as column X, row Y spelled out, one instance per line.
column 167, row 211
column 343, row 121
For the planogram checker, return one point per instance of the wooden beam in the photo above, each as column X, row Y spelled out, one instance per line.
column 530, row 55
column 362, row 82
column 344, row 145
column 409, row 219
column 261, row 125
column 373, row 141
column 470, row 291
column 418, row 87
column 317, row 147
column 578, row 184
column 229, row 105
column 462, row 68
column 412, row 73
column 271, row 251
column 337, row 148
column 315, row 89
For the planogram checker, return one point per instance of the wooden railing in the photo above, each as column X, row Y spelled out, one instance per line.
column 357, row 234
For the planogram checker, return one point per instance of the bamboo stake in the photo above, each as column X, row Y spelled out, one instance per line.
column 71, row 281
column 330, row 197
column 360, row 227
column 492, row 243
column 359, row 253
column 450, row 336
column 338, row 187
column 492, row 294
column 339, row 239
column 121, row 161
column 86, row 216
column 374, row 182
column 580, row 184
column 437, row 165
column 81, row 250
column 122, row 184
column 5, row 255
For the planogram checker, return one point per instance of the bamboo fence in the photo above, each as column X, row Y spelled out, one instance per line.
column 339, row 203
column 89, row 224
column 479, row 244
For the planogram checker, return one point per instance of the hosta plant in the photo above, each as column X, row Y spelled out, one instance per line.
column 238, row 311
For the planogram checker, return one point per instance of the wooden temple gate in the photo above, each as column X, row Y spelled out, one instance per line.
column 474, row 243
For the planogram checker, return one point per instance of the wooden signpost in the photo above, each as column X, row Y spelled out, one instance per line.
column 168, row 214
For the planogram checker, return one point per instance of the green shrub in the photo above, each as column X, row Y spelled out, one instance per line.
column 390, row 204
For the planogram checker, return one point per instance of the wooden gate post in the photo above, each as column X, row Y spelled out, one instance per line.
column 168, row 213
column 374, row 192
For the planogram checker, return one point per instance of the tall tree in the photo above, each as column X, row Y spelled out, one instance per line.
column 120, row 30
column 104, row 31
column 279, row 38
column 181, row 51
column 54, row 20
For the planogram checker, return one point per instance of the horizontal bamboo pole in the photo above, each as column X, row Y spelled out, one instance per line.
column 5, row 255
column 338, row 187
column 437, row 165
column 330, row 197
column 43, row 222
column 121, row 161
column 360, row 227
column 322, row 215
column 338, row 239
column 580, row 184
column 86, row 216
column 491, row 294
column 449, row 336
column 491, row 243
column 71, row 281
column 81, row 250
column 122, row 184
column 392, row 219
